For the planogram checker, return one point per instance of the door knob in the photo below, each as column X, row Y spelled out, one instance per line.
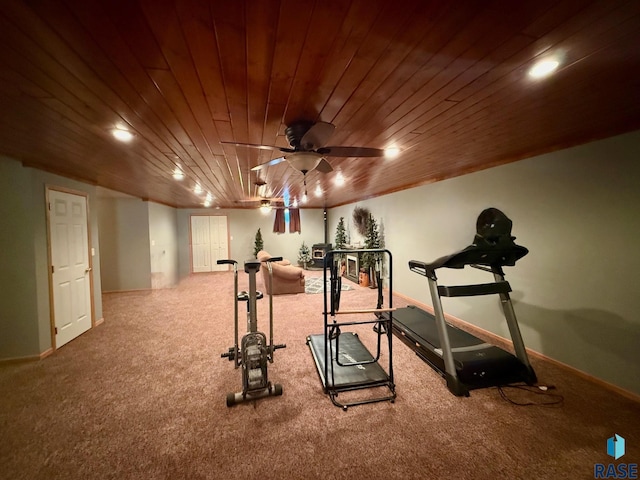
column 87, row 270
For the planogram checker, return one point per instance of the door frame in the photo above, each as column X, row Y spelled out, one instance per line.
column 47, row 206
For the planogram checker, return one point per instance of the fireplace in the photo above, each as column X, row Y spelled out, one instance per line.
column 353, row 267
column 318, row 251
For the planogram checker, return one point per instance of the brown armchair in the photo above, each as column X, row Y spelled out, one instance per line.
column 287, row 278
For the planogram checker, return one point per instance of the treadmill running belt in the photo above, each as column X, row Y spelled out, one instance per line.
column 351, row 350
column 422, row 326
column 479, row 366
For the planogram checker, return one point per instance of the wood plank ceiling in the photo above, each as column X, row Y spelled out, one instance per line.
column 444, row 81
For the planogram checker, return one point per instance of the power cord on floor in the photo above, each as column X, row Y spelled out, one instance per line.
column 556, row 398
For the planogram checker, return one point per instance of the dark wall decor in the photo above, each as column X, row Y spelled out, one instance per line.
column 360, row 219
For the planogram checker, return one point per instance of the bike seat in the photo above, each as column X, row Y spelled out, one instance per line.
column 244, row 296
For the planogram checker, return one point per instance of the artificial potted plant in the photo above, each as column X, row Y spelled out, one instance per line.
column 341, row 243
column 369, row 259
column 304, row 255
column 258, row 244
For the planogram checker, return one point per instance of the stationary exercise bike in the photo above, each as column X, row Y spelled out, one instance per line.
column 254, row 352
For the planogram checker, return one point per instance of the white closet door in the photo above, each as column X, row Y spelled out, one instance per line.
column 219, row 243
column 208, row 243
column 200, row 244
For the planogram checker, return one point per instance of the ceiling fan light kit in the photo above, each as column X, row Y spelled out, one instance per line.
column 304, row 161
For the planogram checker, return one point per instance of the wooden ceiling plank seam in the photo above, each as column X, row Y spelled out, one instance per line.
column 200, row 39
column 22, row 86
column 139, row 92
column 426, row 118
column 230, row 40
column 407, row 119
column 189, row 76
column 262, row 24
column 323, row 26
column 72, row 69
column 269, row 117
column 398, row 51
column 186, row 98
column 493, row 88
column 528, row 134
column 62, row 115
column 373, row 60
column 467, row 110
column 26, row 67
column 197, row 29
column 128, row 18
column 534, row 129
column 485, row 26
column 90, row 97
column 396, row 87
column 293, row 21
column 355, row 27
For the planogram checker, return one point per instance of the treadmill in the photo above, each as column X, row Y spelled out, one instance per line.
column 343, row 362
column 463, row 360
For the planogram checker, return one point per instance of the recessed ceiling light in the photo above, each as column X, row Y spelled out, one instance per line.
column 391, row 152
column 318, row 191
column 544, row 68
column 178, row 174
column 197, row 189
column 122, row 134
column 339, row 180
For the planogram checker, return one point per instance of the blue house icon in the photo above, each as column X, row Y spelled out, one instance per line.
column 615, row 446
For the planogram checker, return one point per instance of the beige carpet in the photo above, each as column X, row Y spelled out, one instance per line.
column 143, row 397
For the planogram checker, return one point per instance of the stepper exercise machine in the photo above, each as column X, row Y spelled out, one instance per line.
column 254, row 352
column 343, row 362
column 465, row 361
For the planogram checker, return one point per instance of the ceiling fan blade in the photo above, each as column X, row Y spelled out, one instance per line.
column 324, row 166
column 260, row 199
column 270, row 163
column 317, row 136
column 351, row 152
column 261, row 147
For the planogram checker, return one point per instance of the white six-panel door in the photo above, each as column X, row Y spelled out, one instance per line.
column 70, row 267
column 209, row 243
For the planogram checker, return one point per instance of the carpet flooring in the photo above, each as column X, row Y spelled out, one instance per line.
column 142, row 396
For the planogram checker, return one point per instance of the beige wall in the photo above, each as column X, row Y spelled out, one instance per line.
column 124, row 235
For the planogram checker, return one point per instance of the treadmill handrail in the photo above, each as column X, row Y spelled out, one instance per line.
column 421, row 268
column 474, row 290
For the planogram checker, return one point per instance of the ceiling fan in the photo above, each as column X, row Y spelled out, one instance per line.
column 263, row 201
column 308, row 150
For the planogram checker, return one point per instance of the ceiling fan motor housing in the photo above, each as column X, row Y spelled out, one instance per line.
column 295, row 132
